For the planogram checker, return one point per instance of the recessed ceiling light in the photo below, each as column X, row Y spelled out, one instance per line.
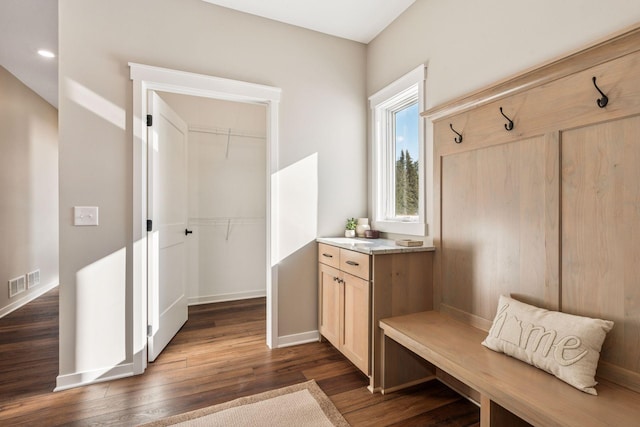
column 46, row 53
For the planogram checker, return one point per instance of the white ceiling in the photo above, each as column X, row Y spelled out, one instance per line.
column 29, row 25
column 359, row 20
column 25, row 27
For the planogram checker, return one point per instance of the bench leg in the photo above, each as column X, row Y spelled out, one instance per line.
column 401, row 368
column 494, row 415
column 485, row 411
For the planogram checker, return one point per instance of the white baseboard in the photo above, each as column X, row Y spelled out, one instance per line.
column 77, row 379
column 297, row 339
column 208, row 299
column 37, row 291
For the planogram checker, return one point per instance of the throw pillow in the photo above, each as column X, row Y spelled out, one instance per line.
column 562, row 344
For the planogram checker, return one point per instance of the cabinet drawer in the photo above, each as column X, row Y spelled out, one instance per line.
column 329, row 255
column 355, row 263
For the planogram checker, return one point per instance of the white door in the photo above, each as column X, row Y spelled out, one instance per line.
column 167, row 208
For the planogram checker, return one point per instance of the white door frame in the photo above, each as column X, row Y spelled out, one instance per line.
column 147, row 78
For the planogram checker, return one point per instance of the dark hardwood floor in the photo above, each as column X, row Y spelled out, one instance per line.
column 219, row 355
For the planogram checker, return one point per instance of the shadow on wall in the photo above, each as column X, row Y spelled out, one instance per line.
column 95, row 313
column 296, row 197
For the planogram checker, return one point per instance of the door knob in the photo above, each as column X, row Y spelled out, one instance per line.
column 187, row 232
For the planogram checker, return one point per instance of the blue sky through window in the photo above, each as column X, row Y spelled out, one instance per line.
column 407, row 131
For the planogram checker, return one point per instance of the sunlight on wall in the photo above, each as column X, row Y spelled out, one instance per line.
column 101, row 313
column 296, row 196
column 95, row 103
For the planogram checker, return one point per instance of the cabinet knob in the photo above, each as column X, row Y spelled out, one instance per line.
column 355, row 264
column 327, row 255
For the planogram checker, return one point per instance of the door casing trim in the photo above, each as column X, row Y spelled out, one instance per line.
column 146, row 78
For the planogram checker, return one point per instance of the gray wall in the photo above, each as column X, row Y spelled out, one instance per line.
column 28, row 190
column 322, row 113
column 471, row 44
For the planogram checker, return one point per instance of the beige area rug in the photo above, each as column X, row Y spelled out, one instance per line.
column 298, row 405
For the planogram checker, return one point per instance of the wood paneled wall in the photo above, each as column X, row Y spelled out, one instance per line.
column 548, row 212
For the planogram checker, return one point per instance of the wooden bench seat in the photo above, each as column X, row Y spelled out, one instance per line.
column 500, row 381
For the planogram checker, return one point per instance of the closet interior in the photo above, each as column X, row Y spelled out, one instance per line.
column 226, row 167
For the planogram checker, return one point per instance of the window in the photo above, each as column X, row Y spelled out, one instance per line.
column 398, row 156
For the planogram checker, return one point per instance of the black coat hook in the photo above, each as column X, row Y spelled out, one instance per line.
column 507, row 126
column 602, row 102
column 458, row 139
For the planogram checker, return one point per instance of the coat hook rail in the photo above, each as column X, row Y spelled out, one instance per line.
column 457, row 139
column 602, row 102
column 507, row 126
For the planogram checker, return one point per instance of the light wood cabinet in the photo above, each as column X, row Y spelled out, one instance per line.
column 354, row 342
column 356, row 290
column 331, row 296
column 345, row 303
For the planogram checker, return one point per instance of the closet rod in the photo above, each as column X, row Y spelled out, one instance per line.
column 226, row 218
column 228, row 132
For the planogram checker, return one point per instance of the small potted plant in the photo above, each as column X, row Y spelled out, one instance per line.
column 350, row 229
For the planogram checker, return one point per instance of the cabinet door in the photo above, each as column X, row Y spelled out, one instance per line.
column 355, row 331
column 329, row 297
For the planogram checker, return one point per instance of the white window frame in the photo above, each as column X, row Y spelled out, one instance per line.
column 383, row 104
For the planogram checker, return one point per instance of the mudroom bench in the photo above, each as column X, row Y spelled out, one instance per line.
column 508, row 391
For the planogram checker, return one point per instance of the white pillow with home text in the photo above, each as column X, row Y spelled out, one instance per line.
column 564, row 345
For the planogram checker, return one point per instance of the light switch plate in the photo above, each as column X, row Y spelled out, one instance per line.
column 85, row 215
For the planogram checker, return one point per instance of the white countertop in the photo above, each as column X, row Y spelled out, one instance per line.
column 371, row 246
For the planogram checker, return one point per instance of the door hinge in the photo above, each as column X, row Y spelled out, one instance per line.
column 149, row 330
column 149, row 225
column 149, row 120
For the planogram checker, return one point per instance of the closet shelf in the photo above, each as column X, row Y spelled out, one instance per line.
column 223, row 221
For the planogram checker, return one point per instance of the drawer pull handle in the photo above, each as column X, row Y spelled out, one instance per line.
column 355, row 264
column 327, row 255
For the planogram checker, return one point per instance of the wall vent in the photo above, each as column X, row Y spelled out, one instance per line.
column 33, row 279
column 17, row 286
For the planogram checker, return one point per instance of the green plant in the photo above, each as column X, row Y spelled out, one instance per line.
column 351, row 224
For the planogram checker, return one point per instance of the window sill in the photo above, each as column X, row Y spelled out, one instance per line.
column 399, row 227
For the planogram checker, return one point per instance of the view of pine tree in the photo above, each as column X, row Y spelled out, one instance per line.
column 407, row 185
